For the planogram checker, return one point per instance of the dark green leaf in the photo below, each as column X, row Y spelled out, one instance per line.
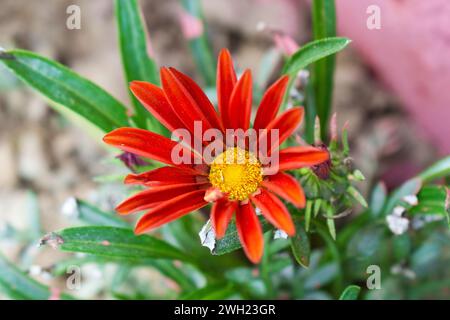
column 115, row 243
column 300, row 245
column 68, row 92
column 350, row 293
column 135, row 59
column 324, row 26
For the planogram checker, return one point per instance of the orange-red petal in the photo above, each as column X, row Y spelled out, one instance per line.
column 226, row 80
column 155, row 101
column 286, row 124
column 250, row 232
column 301, row 156
column 200, row 98
column 274, row 211
column 182, row 101
column 221, row 214
column 152, row 197
column 270, row 103
column 170, row 210
column 148, row 144
column 285, row 186
column 240, row 107
column 162, row 176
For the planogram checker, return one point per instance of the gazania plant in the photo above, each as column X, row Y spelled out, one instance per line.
column 243, row 189
column 235, row 181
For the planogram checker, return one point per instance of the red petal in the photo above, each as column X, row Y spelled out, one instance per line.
column 226, row 80
column 270, row 103
column 162, row 176
column 250, row 232
column 286, row 124
column 287, row 187
column 275, row 211
column 155, row 101
column 221, row 214
column 152, row 197
column 300, row 156
column 200, row 98
column 241, row 102
column 182, row 102
column 171, row 210
column 147, row 144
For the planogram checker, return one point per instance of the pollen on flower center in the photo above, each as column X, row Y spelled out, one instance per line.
column 236, row 172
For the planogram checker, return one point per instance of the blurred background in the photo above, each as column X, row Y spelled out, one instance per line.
column 391, row 85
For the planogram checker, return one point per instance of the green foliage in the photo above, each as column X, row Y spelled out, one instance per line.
column 67, row 91
column 324, row 26
column 114, row 243
column 135, row 59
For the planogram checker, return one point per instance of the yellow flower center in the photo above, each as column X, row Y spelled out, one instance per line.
column 236, row 172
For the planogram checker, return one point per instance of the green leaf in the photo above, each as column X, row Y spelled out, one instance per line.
column 94, row 216
column 410, row 187
column 66, row 89
column 301, row 248
column 378, row 198
column 200, row 47
column 230, row 242
column 135, row 59
column 218, row 291
column 324, row 26
column 115, row 243
column 313, row 52
column 438, row 170
column 17, row 285
column 350, row 293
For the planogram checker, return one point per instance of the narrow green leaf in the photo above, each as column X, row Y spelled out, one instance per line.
column 94, row 216
column 135, row 59
column 308, row 211
column 301, row 248
column 230, row 242
column 378, row 198
column 313, row 52
column 350, row 293
column 200, row 47
column 67, row 89
column 352, row 191
column 115, row 243
column 438, row 170
column 324, row 26
column 17, row 285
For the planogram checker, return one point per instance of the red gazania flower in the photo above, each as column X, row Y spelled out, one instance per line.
column 177, row 189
